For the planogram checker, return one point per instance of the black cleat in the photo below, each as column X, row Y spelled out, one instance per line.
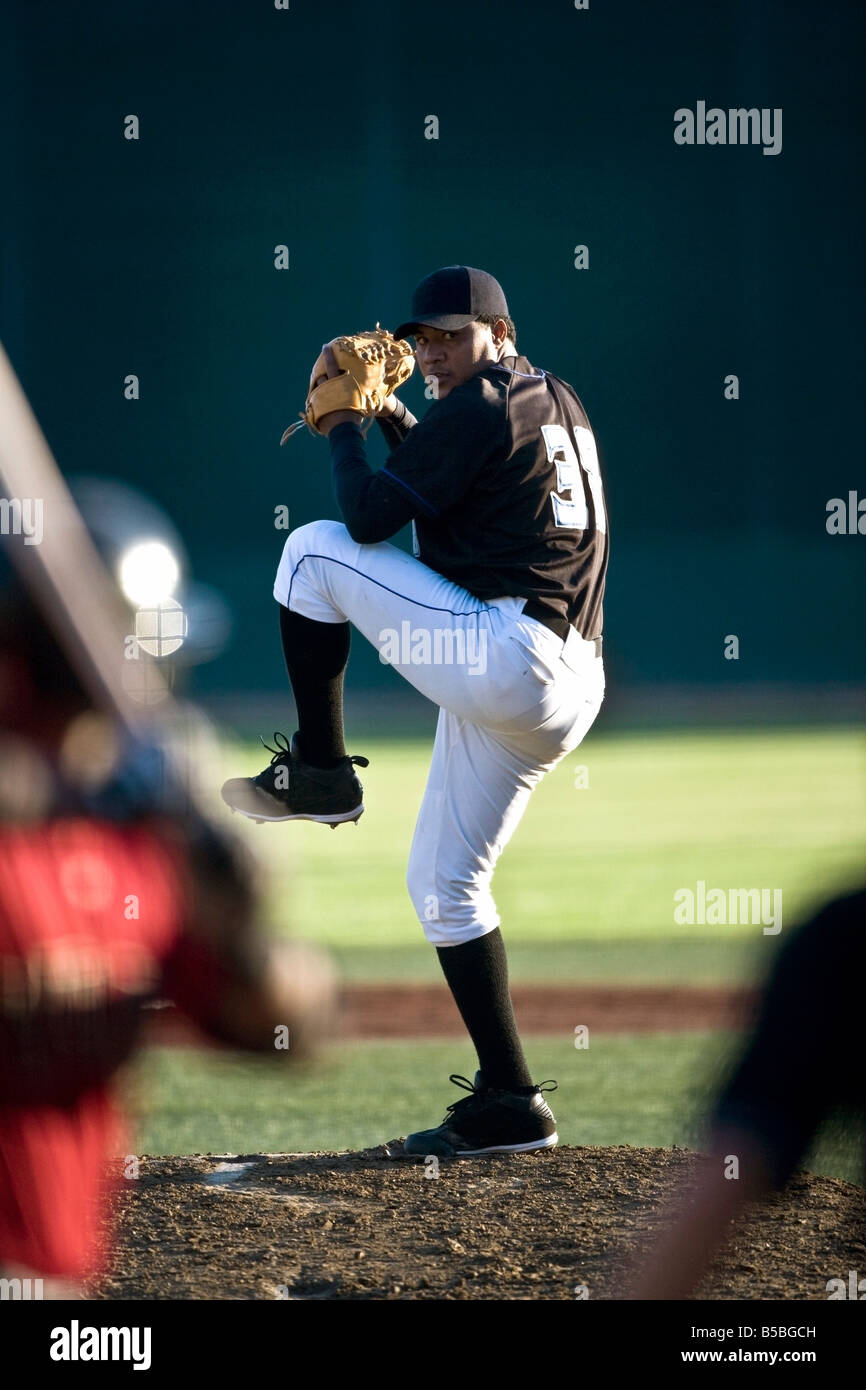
column 290, row 789
column 488, row 1121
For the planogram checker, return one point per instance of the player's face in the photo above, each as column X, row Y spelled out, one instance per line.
column 452, row 357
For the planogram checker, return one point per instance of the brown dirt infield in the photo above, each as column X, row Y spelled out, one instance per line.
column 362, row 1226
column 390, row 1011
column 428, row 1011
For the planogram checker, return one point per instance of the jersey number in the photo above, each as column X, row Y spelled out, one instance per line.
column 572, row 511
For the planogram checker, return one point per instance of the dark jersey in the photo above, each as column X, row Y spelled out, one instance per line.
column 502, row 481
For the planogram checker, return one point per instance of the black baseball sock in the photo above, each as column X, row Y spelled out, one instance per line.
column 316, row 655
column 477, row 975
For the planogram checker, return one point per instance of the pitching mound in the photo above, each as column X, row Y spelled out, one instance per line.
column 364, row 1226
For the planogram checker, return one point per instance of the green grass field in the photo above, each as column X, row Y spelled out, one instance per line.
column 585, row 891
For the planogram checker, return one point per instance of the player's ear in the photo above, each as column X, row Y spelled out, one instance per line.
column 493, row 333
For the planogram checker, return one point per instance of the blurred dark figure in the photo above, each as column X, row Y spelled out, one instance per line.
column 803, row 1061
column 112, row 893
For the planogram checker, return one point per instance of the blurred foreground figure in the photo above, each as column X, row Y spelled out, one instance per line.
column 112, row 894
column 803, row 1061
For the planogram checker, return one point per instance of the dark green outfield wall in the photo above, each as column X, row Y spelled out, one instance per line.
column 307, row 127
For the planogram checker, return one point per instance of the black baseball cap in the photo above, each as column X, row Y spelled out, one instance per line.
column 452, row 297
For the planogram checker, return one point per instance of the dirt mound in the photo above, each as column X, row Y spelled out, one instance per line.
column 516, row 1226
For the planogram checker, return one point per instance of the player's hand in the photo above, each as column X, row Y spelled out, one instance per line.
column 335, row 417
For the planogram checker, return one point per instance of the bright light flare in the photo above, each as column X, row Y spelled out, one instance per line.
column 148, row 572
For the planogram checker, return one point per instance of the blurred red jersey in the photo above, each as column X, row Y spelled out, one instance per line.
column 92, row 919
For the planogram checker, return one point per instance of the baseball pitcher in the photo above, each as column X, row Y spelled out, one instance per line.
column 497, row 619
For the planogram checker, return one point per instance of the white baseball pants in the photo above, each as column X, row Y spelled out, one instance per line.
column 513, row 697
